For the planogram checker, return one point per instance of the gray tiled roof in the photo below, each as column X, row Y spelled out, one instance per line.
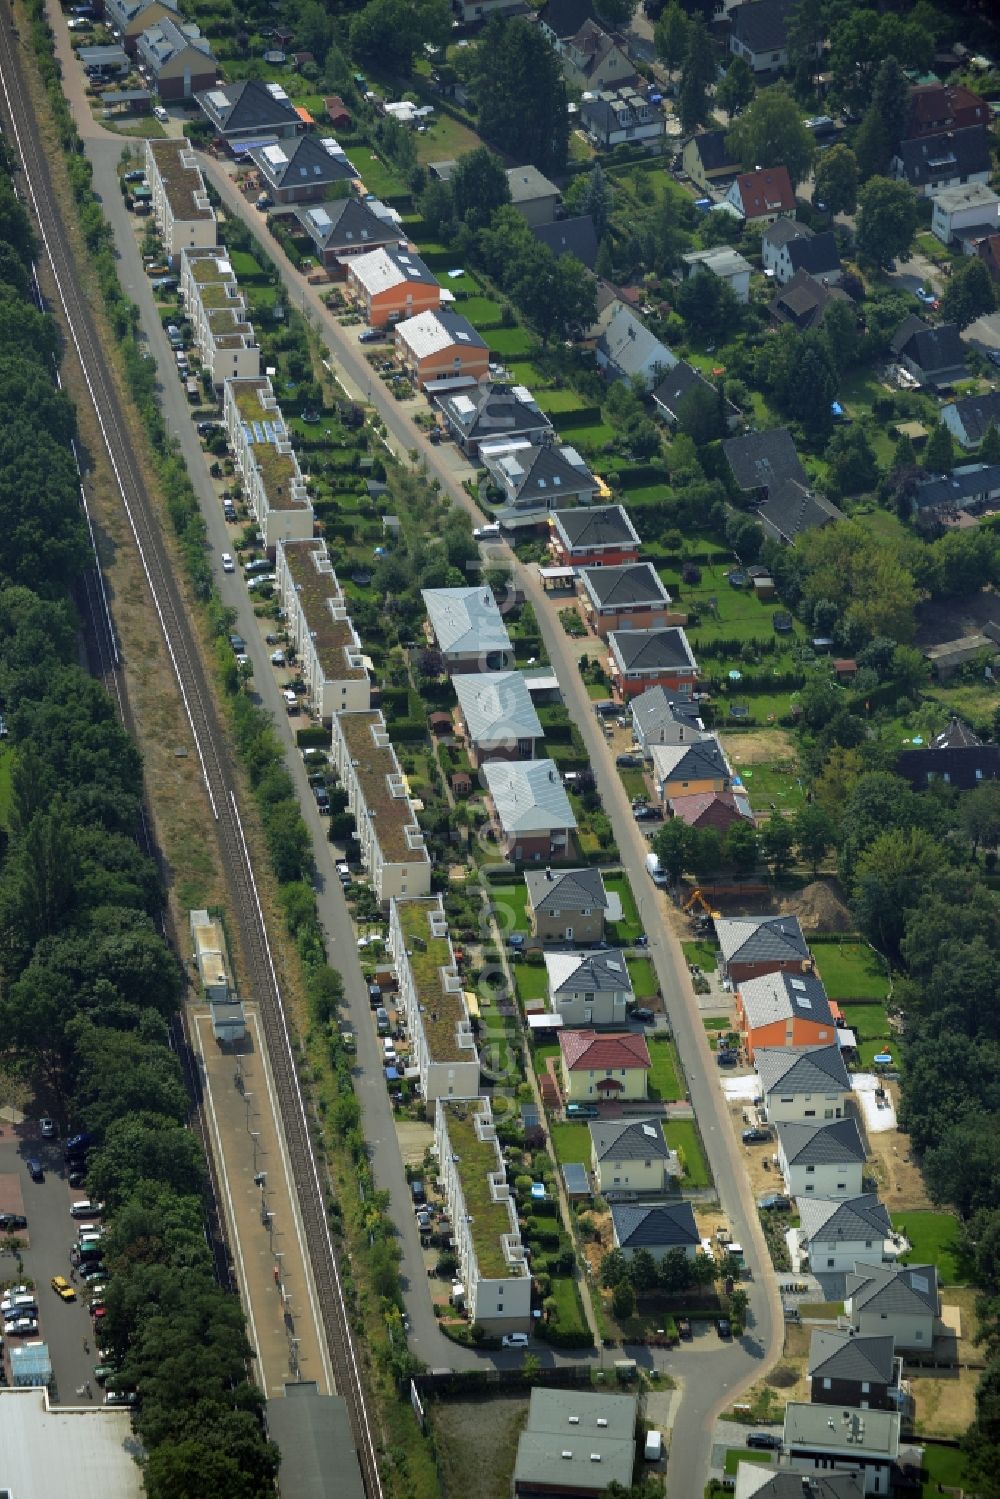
column 783, row 231
column 792, row 507
column 932, row 349
column 702, row 760
column 652, row 650
column 566, row 890
column 818, row 254
column 977, row 413
column 940, row 158
column 756, row 1482
column 633, row 583
column 576, row 236
column 810, row 1069
column 893, row 1288
column 828, row 1144
column 655, row 709
column 756, row 939
column 595, row 525
column 665, row 1226
column 496, row 707
column 853, row 1220
column 528, row 796
column 629, row 1140
column 587, row 972
column 838, row 1355
column 760, row 460
column 540, row 474
column 249, row 105
column 347, row 224
column 762, row 24
column 494, row 412
column 466, row 620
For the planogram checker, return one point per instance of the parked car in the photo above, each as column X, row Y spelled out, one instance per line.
column 62, row 1288
column 10, row 1223
column 726, row 1058
column 370, row 335
column 48, row 1128
column 322, row 799
column 755, row 1136
column 774, row 1202
column 629, row 762
column 684, row 1328
column 642, row 1013
column 35, row 1169
column 581, row 1111
column 159, row 113
column 228, row 565
column 765, row 1441
column 645, row 813
column 514, row 1340
column 723, row 1327
column 278, row 658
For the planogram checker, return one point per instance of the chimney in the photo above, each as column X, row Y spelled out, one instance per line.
column 548, row 872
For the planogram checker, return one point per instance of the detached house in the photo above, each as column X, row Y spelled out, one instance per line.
column 792, row 508
column 799, row 1083
column 533, row 195
column 707, row 161
column 728, row 264
column 756, row 1482
column 804, row 300
column 177, row 60
column 629, row 1157
column 953, row 159
column 969, row 212
column 390, row 284
column 250, row 113
column 969, row 419
column 625, row 348
column 346, row 227
column 441, row 350
column 690, row 769
column 760, row 461
column 764, row 195
column 956, row 756
column 603, row 1068
column 631, row 597
column 710, row 809
column 304, row 170
column 760, row 34
column 601, row 536
column 537, row 476
column 672, row 392
column 787, row 246
column 837, row 1235
column 616, row 118
column 755, row 945
column 822, row 1160
column 590, row 988
column 651, row 658
column 865, row 1441
column 594, row 60
column 130, row 18
column 936, row 108
column 560, row 20
column 468, row 629
column 899, row 1301
column 530, row 810
column 576, row 236
column 493, row 416
column 658, row 1227
column 566, row 905
column 934, row 356
column 783, row 1007
column 858, row 1371
column 498, row 716
column 659, row 718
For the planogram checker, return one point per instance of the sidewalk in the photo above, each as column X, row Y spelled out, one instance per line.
column 241, row 1110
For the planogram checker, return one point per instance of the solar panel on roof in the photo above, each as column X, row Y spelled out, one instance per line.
column 247, row 434
column 218, row 99
column 258, row 432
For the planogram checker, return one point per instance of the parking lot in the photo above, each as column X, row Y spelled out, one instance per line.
column 63, row 1326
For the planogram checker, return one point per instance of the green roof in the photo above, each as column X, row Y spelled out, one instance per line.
column 476, row 1160
column 441, row 1011
column 372, row 766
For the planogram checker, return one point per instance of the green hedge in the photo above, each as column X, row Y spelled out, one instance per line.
column 313, row 737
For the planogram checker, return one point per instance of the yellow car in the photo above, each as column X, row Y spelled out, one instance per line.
column 62, row 1288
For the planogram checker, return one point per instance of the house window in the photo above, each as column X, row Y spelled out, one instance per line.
column 827, row 1384
column 810, row 1170
column 647, row 1164
column 830, row 1264
column 918, row 1336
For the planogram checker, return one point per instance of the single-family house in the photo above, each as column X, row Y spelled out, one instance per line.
column 493, row 1266
column 803, row 301
column 566, row 905
column 390, row 284
column 864, row 1441
column 537, row 476
column 760, row 461
column 603, row 1067
column 728, row 264
column 959, row 209
column 753, row 1481
column 529, row 809
column 781, row 1007
column 760, row 34
column 708, row 161
column 431, row 995
column 658, row 717
column 793, row 507
column 967, row 491
column 328, row 652
column 533, row 195
column 658, row 1227
column 900, row 1301
column 249, row 113
column 970, row 418
column 595, row 60
column 956, row 756
column 690, row 768
column 787, row 246
column 345, row 227
column 589, row 988
column 630, row 1157
column 627, row 350
column 177, row 59
column 858, row 1371
column 677, row 384
column 560, row 20
column 930, row 163
column 185, row 219
column 128, row 19
column 934, row 356
column 630, row 597
column 651, row 658
column 468, row 629
column 618, row 117
column 493, row 415
column 600, row 536
column 754, row 945
column 710, row 809
column 763, row 195
column 576, row 1442
column 304, row 170
column 497, row 716
column 822, row 1160
column 799, row 1083
column 938, row 107
column 575, row 236
column 838, row 1234
column 441, row 350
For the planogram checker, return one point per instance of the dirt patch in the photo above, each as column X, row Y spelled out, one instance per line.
column 938, row 622
column 820, row 907
column 943, row 1407
column 758, row 746
column 787, row 1381
column 413, row 1139
column 891, row 1162
column 476, row 1442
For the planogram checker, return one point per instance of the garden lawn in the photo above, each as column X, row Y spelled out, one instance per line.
column 553, row 401
column 510, row 902
column 702, row 953
column 510, row 343
column 634, row 782
column 737, row 1455
column 541, row 1054
column 625, row 931
column 935, row 1241
column 569, row 1309
column 868, row 1022
column 445, row 138
column 851, row 970
column 779, row 783
column 682, row 1135
column 643, row 976
column 531, row 980
column 245, row 266
column 943, row 1470
column 664, row 1079
column 481, row 312
column 572, row 1144
column 378, row 178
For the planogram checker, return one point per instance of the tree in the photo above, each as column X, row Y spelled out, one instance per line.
column 392, row 30
column 814, row 832
column 697, row 72
column 314, row 30
column 778, row 839
column 520, row 94
column 740, row 845
column 809, row 386
column 701, row 415
column 623, row 1301
column 614, row 1269
column 853, row 465
column 887, row 220
column 643, row 1272
column 478, row 187
column 708, row 304
column 989, row 448
column 670, row 36
column 979, row 814
column 939, row 453
column 859, row 42
column 672, row 846
column 706, row 851
column 617, row 14
column 836, row 181
column 736, row 90
column 437, row 210
column 841, row 334
column 745, row 536
column 969, row 294
column 805, row 29
column 885, row 120
column 597, row 199
column 771, row 134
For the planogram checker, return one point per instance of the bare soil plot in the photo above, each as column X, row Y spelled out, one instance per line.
column 786, row 1381
column 820, row 907
column 476, row 1442
column 756, row 746
column 953, row 618
column 943, row 1406
column 891, row 1162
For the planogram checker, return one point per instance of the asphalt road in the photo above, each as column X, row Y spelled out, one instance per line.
column 51, row 1230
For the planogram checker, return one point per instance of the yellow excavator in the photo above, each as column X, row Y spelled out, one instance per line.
column 697, row 899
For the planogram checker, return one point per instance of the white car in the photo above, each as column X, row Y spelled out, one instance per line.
column 228, row 565
column 277, row 658
column 159, row 113
column 514, row 1340
column 48, row 1128
column 291, row 701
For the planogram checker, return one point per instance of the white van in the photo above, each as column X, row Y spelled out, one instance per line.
column 653, row 1449
column 515, row 1340
column 487, row 533
column 84, row 1208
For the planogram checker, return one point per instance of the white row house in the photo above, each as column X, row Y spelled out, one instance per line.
column 185, row 219
column 273, row 485
column 223, row 334
column 392, row 845
column 432, row 998
column 325, row 641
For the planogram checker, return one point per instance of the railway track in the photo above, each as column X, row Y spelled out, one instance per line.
column 210, row 743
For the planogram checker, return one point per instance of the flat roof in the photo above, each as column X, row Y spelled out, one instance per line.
column 441, row 1010
column 576, row 1442
column 848, row 1431
column 277, row 470
column 476, row 1160
column 319, row 591
column 313, row 1433
column 182, row 179
column 372, row 767
column 73, row 1452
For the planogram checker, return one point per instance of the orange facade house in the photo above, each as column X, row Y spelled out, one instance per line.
column 784, row 1009
column 441, row 350
column 391, row 284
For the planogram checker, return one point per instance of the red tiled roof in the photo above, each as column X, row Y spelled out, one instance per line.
column 583, row 1050
column 711, row 809
column 768, row 190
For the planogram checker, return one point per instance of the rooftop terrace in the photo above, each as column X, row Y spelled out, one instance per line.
column 377, row 770
column 319, row 592
column 475, row 1161
column 255, row 403
column 182, row 179
column 442, row 1010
